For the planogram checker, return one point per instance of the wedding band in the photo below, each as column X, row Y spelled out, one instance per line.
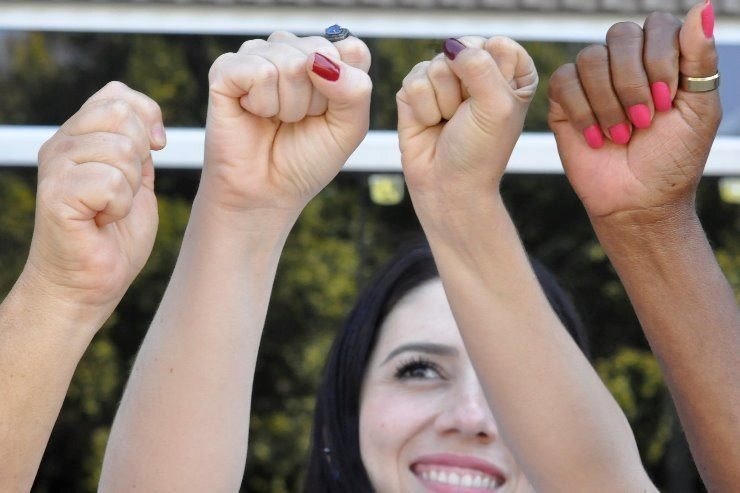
column 699, row 84
column 336, row 33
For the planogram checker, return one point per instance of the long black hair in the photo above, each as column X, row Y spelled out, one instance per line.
column 335, row 464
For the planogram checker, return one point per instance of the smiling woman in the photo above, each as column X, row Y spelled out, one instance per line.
column 400, row 407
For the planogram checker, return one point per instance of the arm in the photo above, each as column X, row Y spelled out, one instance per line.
column 184, row 419
column 561, row 422
column 640, row 199
column 96, row 218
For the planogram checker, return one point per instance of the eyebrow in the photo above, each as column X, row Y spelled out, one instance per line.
column 422, row 347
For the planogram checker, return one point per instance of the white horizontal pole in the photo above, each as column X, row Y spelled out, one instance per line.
column 365, row 22
column 534, row 153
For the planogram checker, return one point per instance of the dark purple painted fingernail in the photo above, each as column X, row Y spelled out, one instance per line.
column 452, row 47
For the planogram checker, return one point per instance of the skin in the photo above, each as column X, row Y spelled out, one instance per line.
column 640, row 198
column 96, row 218
column 276, row 134
column 183, row 420
column 423, row 408
column 543, row 392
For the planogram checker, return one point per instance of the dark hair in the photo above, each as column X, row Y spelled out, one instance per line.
column 335, row 464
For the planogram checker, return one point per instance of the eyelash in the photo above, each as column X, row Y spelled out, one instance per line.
column 406, row 368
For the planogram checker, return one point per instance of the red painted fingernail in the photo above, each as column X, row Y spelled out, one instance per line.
column 661, row 96
column 640, row 115
column 620, row 133
column 325, row 68
column 452, row 47
column 707, row 19
column 593, row 136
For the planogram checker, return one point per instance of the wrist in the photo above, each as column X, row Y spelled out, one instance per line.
column 452, row 217
column 651, row 229
column 43, row 305
column 257, row 229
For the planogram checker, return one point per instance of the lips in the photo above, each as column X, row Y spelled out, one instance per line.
column 447, row 473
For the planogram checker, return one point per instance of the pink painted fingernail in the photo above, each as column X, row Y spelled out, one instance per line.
column 620, row 133
column 593, row 136
column 325, row 68
column 707, row 19
column 661, row 96
column 640, row 115
column 452, row 47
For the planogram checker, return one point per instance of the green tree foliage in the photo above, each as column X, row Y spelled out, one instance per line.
column 339, row 240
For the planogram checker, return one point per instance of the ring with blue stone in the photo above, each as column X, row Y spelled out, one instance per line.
column 336, row 33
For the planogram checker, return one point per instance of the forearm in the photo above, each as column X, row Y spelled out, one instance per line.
column 42, row 339
column 541, row 388
column 690, row 317
column 184, row 419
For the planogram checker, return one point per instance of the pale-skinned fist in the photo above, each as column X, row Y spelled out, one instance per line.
column 96, row 213
column 284, row 115
column 460, row 115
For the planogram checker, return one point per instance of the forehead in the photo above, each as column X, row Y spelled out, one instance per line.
column 422, row 315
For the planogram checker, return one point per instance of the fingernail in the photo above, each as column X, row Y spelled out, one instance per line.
column 158, row 135
column 620, row 133
column 640, row 115
column 325, row 68
column 452, row 47
column 707, row 19
column 661, row 96
column 594, row 138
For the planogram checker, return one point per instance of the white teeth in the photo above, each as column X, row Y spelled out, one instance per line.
column 483, row 482
column 453, row 479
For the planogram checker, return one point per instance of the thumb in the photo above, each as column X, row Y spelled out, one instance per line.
column 347, row 90
column 698, row 54
column 492, row 100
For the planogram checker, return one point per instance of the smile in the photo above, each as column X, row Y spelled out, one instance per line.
column 444, row 477
column 471, row 479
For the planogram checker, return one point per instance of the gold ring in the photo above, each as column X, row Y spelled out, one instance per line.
column 699, row 84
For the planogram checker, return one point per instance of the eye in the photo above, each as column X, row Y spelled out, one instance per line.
column 419, row 368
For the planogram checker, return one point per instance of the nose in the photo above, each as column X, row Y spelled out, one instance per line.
column 468, row 415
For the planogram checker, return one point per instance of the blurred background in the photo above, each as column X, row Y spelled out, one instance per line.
column 342, row 237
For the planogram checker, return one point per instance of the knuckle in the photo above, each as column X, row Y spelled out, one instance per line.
column 592, row 55
column 127, row 149
column 502, row 44
column 119, row 110
column 438, row 69
column 266, row 73
column 560, row 79
column 279, row 35
column 478, row 63
column 252, row 44
column 293, row 69
column 354, row 51
column 47, row 149
column 152, row 109
column 623, row 31
column 662, row 19
column 116, row 183
column 115, row 87
column 214, row 74
column 417, row 86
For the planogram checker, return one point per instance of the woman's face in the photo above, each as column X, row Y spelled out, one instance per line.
column 424, row 422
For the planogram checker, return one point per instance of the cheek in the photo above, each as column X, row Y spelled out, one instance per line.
column 389, row 421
